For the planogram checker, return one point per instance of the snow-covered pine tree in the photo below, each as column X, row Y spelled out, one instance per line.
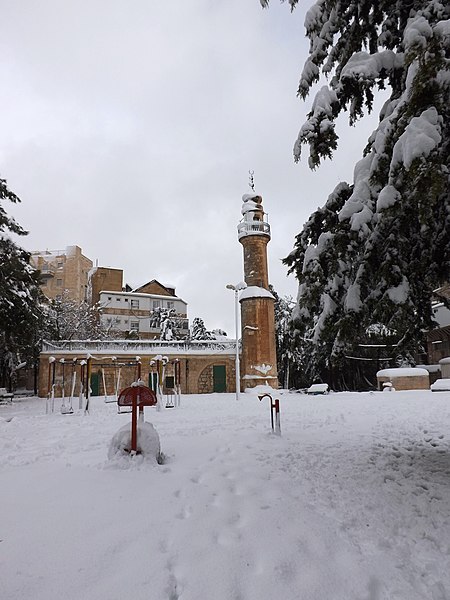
column 19, row 297
column 167, row 324
column 290, row 361
column 199, row 331
column 385, row 246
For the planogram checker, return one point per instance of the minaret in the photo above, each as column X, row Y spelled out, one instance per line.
column 258, row 359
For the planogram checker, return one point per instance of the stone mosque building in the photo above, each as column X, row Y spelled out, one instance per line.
column 202, row 366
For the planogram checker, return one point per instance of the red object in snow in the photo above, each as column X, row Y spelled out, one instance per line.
column 136, row 396
column 142, row 395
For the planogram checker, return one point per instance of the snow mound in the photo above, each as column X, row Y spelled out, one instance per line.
column 148, row 444
column 258, row 390
column 440, row 385
column 318, row 388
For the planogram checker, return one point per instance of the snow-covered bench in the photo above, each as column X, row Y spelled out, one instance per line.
column 5, row 396
column 440, row 385
column 318, row 388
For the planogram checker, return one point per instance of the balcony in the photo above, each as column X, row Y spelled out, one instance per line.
column 253, row 228
column 48, row 271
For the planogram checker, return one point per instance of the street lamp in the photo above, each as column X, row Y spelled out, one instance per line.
column 237, row 288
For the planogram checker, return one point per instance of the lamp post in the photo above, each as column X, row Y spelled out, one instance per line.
column 237, row 288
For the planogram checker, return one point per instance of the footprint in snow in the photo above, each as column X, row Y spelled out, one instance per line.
column 185, row 513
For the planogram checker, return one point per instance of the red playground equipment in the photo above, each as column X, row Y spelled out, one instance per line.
column 136, row 396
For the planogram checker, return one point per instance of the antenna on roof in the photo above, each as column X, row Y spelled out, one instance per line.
column 251, row 181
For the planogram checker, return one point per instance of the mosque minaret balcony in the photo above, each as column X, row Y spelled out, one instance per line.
column 254, row 220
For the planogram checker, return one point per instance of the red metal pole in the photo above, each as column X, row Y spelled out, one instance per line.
column 134, row 423
column 141, row 408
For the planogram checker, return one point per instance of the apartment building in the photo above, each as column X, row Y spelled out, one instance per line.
column 144, row 310
column 63, row 270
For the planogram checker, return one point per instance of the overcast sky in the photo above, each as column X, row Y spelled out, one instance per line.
column 128, row 128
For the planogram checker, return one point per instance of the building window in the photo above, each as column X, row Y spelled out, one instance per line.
column 60, row 265
column 117, row 299
column 59, row 283
column 134, row 326
column 126, row 299
column 156, row 304
column 109, row 298
column 170, row 304
column 135, row 304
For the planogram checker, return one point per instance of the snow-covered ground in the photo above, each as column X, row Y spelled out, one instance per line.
column 352, row 502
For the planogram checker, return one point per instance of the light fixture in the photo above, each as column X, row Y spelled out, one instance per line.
column 237, row 288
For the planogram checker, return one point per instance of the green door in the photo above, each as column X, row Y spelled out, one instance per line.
column 219, row 378
column 153, row 381
column 95, row 384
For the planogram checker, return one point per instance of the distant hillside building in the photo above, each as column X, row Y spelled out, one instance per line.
column 63, row 270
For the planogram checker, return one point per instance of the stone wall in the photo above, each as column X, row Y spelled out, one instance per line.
column 195, row 371
column 421, row 382
column 255, row 260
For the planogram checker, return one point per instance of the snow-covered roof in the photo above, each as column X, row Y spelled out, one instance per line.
column 402, row 372
column 142, row 295
column 430, row 368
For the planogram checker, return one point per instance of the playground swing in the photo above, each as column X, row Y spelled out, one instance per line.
column 50, row 405
column 67, row 409
column 80, row 398
column 113, row 398
column 107, row 399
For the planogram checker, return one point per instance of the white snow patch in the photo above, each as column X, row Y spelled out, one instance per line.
column 417, row 33
column 353, row 298
column 323, row 101
column 440, row 385
column 254, row 291
column 442, row 28
column 318, row 388
column 148, row 444
column 368, row 66
column 328, row 308
column 421, row 136
column 250, row 197
column 352, row 502
column 400, row 293
column 388, row 196
column 402, row 372
column 262, row 368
